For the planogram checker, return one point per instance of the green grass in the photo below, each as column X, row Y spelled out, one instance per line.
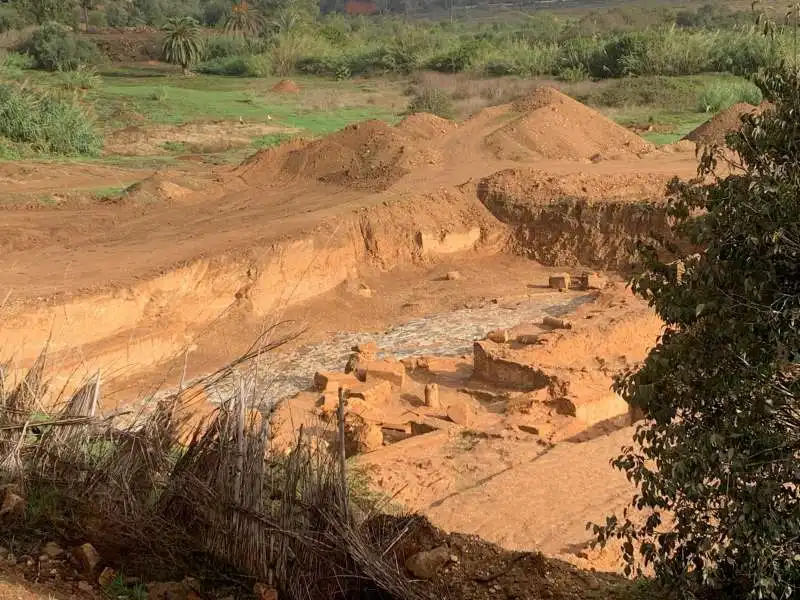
column 176, row 100
column 271, row 140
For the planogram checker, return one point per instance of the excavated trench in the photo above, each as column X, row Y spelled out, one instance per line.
column 137, row 328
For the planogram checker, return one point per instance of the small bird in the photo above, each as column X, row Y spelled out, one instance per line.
column 241, row 121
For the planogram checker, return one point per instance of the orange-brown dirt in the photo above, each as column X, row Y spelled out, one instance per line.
column 356, row 232
column 550, row 444
column 552, row 125
column 141, row 279
column 286, row 86
column 714, row 131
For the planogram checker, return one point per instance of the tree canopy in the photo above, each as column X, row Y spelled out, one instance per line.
column 717, row 459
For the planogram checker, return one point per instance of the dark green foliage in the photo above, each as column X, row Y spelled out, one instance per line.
column 46, row 124
column 44, row 11
column 719, row 452
column 55, row 47
column 183, row 42
column 434, row 101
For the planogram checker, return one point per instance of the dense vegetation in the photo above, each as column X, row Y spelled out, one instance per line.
column 281, row 37
column 717, row 460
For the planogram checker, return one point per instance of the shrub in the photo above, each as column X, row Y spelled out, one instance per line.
column 117, row 14
column 46, row 124
column 82, row 78
column 222, row 46
column 670, row 92
column 432, row 100
column 257, row 65
column 97, row 19
column 54, row 47
column 724, row 94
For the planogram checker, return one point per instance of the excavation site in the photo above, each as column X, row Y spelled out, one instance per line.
column 419, row 322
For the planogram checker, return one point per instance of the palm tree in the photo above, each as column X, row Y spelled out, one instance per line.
column 244, row 21
column 183, row 42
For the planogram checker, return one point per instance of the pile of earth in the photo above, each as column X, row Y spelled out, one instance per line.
column 470, row 568
column 426, row 125
column 155, row 188
column 286, row 86
column 552, row 125
column 369, row 156
column 715, row 130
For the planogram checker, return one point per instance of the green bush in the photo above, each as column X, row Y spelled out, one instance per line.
column 54, row 47
column 670, row 92
column 82, row 78
column 223, row 46
column 46, row 124
column 256, row 65
column 97, row 19
column 432, row 100
column 724, row 94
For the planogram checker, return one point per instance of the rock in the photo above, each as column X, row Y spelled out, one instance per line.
column 263, row 592
column 364, row 291
column 432, row 395
column 461, row 413
column 361, row 436
column 498, row 336
column 528, row 339
column 329, row 381
column 107, row 577
column 372, row 392
column 53, row 550
column 85, row 586
column 490, row 365
column 26, row 560
column 556, row 323
column 425, row 565
column 389, row 370
column 88, row 558
column 328, row 404
column 369, row 348
column 453, row 276
column 559, row 281
column 11, row 559
column 13, row 505
column 590, row 280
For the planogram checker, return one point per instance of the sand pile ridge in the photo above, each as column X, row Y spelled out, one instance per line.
column 369, row 156
column 714, row 131
column 552, row 125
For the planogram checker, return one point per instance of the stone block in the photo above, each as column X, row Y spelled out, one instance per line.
column 556, row 323
column 329, row 381
column 498, row 336
column 461, row 412
column 360, row 435
column 432, row 395
column 505, row 371
column 376, row 391
column 559, row 281
column 589, row 280
column 389, row 370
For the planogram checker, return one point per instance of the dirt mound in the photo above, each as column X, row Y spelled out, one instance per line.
column 370, row 156
column 286, row 86
column 475, row 569
column 426, row 125
column 720, row 125
column 155, row 189
column 554, row 126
